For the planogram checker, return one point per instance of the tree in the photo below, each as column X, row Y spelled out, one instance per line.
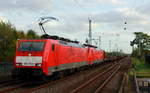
column 142, row 40
column 8, row 37
column 7, row 44
column 31, row 34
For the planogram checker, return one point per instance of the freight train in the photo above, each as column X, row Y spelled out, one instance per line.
column 52, row 54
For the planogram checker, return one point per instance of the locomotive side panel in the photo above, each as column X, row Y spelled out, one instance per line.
column 51, row 55
column 71, row 57
column 90, row 55
column 63, row 56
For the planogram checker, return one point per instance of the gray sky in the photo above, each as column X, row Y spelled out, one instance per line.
column 108, row 18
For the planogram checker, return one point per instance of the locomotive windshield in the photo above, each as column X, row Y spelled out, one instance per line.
column 31, row 46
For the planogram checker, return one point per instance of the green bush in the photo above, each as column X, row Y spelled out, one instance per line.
column 140, row 65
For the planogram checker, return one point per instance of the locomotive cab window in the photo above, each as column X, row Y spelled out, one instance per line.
column 31, row 46
column 53, row 47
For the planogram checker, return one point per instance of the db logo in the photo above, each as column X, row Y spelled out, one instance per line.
column 29, row 54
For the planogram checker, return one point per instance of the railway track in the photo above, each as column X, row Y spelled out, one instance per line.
column 97, row 83
column 51, row 83
column 76, row 87
column 5, row 81
column 110, row 71
column 13, row 85
column 107, row 80
column 10, row 85
column 68, row 90
column 11, row 82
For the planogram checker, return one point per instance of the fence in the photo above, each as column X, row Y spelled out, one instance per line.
column 144, row 86
column 5, row 68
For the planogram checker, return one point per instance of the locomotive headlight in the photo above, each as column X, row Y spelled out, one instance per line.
column 38, row 65
column 18, row 64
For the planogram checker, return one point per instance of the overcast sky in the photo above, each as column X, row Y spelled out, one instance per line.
column 108, row 19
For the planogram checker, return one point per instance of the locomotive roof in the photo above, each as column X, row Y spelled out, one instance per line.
column 46, row 36
column 89, row 45
column 66, row 41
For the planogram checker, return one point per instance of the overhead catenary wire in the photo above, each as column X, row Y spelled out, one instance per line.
column 89, row 19
column 83, row 9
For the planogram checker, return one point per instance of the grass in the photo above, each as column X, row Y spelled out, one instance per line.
column 141, row 68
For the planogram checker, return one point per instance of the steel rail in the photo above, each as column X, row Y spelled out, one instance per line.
column 13, row 88
column 107, row 80
column 76, row 90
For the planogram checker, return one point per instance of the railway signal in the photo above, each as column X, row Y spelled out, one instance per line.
column 125, row 25
column 125, row 28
